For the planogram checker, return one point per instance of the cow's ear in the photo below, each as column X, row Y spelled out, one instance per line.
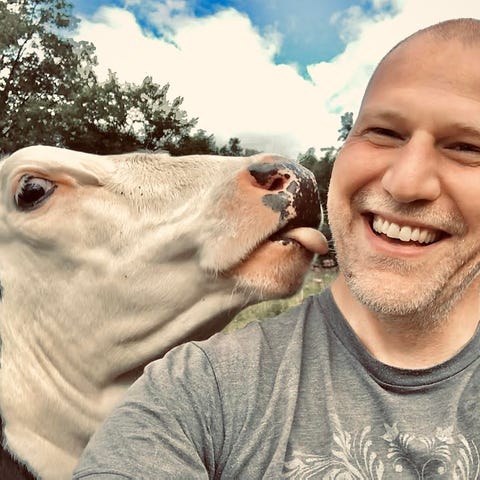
column 32, row 192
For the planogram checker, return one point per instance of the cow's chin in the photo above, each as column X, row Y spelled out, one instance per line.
column 273, row 270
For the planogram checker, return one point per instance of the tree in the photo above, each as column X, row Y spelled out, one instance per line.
column 39, row 69
column 158, row 123
column 347, row 123
column 232, row 149
column 198, row 143
column 49, row 92
column 114, row 117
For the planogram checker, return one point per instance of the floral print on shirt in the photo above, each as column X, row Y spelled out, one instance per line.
column 395, row 454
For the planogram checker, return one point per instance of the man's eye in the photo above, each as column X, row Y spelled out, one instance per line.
column 464, row 147
column 382, row 137
column 385, row 132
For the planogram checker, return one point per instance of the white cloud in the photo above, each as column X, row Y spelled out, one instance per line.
column 225, row 70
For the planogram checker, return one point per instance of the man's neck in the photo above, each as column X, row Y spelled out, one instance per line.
column 411, row 343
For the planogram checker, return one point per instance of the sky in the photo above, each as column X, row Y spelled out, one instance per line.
column 277, row 74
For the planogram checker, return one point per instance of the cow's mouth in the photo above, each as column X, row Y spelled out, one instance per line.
column 309, row 238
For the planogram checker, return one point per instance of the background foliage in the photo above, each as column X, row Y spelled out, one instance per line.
column 316, row 281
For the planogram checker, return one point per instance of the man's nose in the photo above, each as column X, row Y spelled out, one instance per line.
column 412, row 174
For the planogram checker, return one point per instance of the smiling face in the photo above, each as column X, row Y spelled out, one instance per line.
column 405, row 190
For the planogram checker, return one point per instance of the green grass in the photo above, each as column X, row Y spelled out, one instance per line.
column 315, row 282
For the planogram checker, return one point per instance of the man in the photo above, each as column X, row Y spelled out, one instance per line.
column 378, row 377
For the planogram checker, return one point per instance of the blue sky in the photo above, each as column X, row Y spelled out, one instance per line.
column 275, row 73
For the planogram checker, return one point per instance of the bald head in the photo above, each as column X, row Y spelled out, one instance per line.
column 466, row 30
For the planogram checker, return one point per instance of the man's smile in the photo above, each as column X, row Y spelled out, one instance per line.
column 404, row 233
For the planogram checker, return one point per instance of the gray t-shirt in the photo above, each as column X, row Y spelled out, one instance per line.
column 294, row 397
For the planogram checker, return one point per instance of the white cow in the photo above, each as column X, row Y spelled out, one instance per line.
column 106, row 262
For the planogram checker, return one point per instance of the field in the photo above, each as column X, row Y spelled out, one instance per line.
column 315, row 282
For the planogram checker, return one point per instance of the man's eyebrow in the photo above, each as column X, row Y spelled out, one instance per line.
column 382, row 114
column 466, row 129
column 374, row 114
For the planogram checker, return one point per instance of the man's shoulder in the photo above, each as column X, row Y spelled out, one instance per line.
column 269, row 337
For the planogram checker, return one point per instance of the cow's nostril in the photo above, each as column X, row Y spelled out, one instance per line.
column 270, row 176
column 277, row 183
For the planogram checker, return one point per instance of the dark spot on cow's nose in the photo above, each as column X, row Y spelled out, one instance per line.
column 262, row 172
column 293, row 192
column 268, row 176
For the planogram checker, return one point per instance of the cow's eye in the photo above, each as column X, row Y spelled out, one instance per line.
column 32, row 192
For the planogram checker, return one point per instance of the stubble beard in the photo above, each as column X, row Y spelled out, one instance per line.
column 420, row 306
column 400, row 292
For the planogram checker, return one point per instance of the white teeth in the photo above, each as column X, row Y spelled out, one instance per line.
column 377, row 224
column 385, row 227
column 404, row 233
column 431, row 238
column 393, row 231
column 423, row 236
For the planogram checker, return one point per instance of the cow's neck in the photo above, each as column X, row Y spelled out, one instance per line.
column 71, row 395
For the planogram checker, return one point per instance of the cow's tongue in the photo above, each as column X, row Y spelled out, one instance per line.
column 309, row 238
